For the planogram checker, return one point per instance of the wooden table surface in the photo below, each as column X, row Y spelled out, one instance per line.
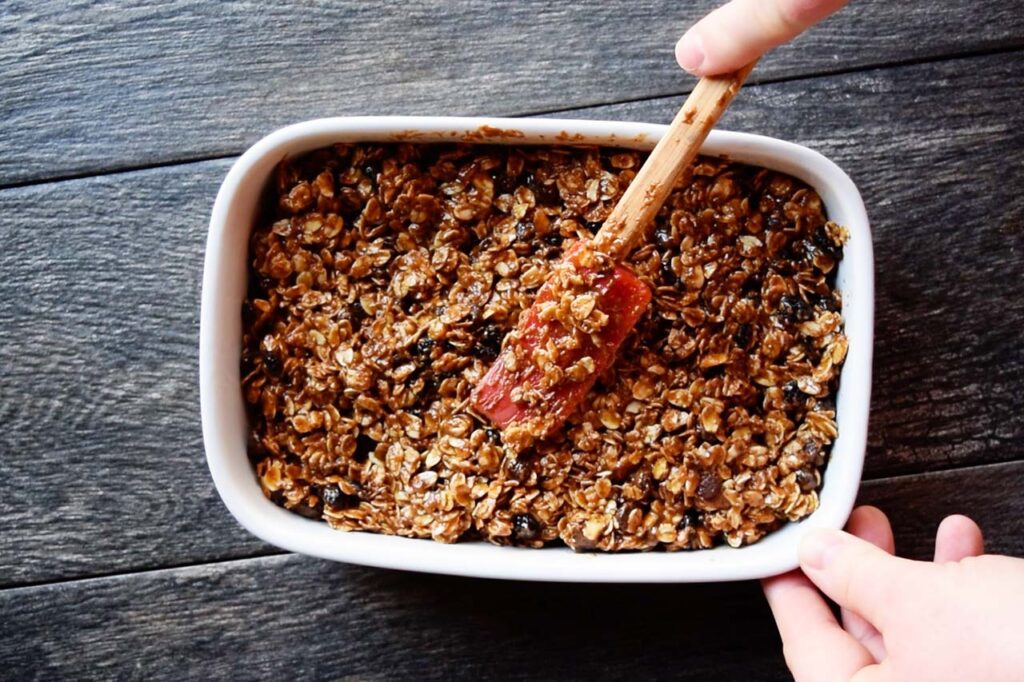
column 118, row 122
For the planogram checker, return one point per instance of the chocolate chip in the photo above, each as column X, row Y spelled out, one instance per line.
column 493, row 436
column 524, row 528
column 553, row 238
column 710, row 486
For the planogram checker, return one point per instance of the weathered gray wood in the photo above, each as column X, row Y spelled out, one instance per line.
column 296, row 618
column 98, row 389
column 990, row 494
column 101, row 449
column 300, row 618
column 935, row 151
column 100, row 86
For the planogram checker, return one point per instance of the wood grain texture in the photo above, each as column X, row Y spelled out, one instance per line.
column 935, row 150
column 99, row 316
column 90, row 86
column 300, row 618
column 98, row 393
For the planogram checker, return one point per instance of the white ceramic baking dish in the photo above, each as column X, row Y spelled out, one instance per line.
column 224, row 418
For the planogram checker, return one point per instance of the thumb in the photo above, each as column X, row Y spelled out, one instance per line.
column 742, row 30
column 858, row 575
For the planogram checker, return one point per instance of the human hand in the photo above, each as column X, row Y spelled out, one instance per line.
column 957, row 618
column 742, row 30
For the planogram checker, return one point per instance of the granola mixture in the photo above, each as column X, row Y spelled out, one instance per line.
column 384, row 279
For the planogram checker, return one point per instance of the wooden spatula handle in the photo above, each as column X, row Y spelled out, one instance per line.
column 628, row 222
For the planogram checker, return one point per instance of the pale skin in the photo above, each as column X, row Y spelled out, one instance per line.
column 957, row 617
column 742, row 30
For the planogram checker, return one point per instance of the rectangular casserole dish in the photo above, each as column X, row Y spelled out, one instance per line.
column 223, row 411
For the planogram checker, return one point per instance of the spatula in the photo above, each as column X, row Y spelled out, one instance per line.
column 560, row 345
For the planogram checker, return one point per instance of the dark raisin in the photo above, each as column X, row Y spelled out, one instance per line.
column 553, row 238
column 335, row 499
column 663, row 237
column 593, row 225
column 355, row 315
column 504, row 183
column 524, row 528
column 370, row 170
column 668, row 275
column 825, row 302
column 715, row 371
column 525, row 231
column 266, row 284
column 489, row 342
column 303, row 509
column 825, row 243
column 519, row 468
column 365, row 446
column 691, row 519
column 806, row 480
column 752, row 284
column 272, row 362
column 742, row 337
column 546, row 194
column 709, row 487
column 825, row 405
column 436, row 379
column 791, row 394
column 793, row 309
column 644, row 481
column 423, row 346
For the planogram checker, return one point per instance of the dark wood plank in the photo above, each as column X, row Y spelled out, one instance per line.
column 296, row 618
column 301, row 618
column 99, row 316
column 102, row 86
column 992, row 495
column 98, row 392
column 936, row 155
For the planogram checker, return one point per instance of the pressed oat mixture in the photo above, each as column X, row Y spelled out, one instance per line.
column 384, row 279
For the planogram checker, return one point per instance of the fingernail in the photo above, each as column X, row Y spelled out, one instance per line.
column 819, row 548
column 690, row 52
